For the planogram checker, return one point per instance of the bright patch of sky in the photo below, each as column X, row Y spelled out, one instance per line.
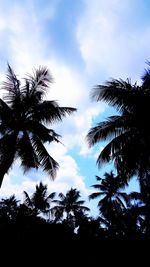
column 83, row 43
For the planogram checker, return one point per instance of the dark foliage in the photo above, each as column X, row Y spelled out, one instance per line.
column 24, row 114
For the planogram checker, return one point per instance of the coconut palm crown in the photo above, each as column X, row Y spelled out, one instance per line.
column 112, row 198
column 40, row 200
column 24, row 115
column 69, row 204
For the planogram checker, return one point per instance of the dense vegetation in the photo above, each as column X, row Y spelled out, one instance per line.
column 120, row 217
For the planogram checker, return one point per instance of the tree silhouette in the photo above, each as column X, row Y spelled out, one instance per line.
column 129, row 131
column 70, row 205
column 40, row 200
column 112, row 201
column 128, row 134
column 23, row 116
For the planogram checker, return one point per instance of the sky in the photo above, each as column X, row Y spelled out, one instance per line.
column 83, row 43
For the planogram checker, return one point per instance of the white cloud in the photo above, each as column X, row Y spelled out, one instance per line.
column 69, row 173
column 68, row 87
column 113, row 41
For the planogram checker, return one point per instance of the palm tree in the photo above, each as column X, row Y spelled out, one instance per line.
column 70, row 205
column 40, row 201
column 23, row 116
column 112, row 201
column 128, row 133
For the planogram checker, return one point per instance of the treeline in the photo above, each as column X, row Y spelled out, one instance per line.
column 43, row 215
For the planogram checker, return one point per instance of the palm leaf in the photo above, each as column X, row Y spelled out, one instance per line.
column 27, row 153
column 114, row 148
column 46, row 161
column 124, row 196
column 99, row 186
column 45, row 134
column 12, row 87
column 80, row 202
column 95, row 195
column 7, row 153
column 49, row 112
column 51, row 196
column 98, row 178
column 113, row 127
column 61, row 196
column 117, row 93
column 39, row 81
column 27, row 201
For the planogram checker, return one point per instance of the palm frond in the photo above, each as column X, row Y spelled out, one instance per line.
column 80, row 202
column 95, row 195
column 7, row 153
column 51, row 195
column 119, row 202
column 115, row 147
column 44, row 134
column 117, row 93
column 112, row 127
column 124, row 196
column 46, row 161
column 57, row 201
column 40, row 80
column 27, row 201
column 99, row 186
column 12, row 87
column 98, row 178
column 104, row 203
column 105, row 155
column 61, row 196
column 50, row 111
column 27, row 153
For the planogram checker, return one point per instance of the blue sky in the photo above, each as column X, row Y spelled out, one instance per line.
column 83, row 43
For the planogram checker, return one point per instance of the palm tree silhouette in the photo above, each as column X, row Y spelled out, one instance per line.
column 112, row 201
column 128, row 132
column 23, row 116
column 40, row 201
column 70, row 205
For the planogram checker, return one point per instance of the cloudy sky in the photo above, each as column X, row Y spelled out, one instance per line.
column 83, row 43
